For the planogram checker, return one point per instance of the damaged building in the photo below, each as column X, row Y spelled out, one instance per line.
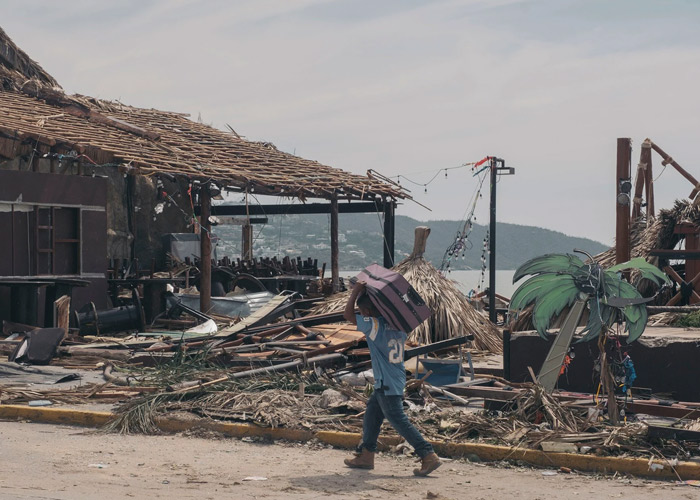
column 89, row 186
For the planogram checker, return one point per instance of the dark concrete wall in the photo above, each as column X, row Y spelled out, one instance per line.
column 149, row 226
column 669, row 367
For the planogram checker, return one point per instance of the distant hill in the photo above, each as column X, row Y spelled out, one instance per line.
column 360, row 240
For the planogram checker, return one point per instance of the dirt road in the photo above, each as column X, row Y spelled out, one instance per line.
column 53, row 462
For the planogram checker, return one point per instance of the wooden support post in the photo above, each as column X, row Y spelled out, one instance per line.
column 420, row 240
column 247, row 242
column 622, row 227
column 335, row 275
column 389, row 233
column 649, row 184
column 12, row 240
column 205, row 250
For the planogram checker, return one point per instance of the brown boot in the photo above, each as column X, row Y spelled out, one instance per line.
column 428, row 464
column 363, row 460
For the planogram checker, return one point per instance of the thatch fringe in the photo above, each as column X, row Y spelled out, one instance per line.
column 657, row 233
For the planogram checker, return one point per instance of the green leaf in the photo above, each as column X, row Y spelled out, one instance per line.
column 635, row 327
column 635, row 315
column 535, row 286
column 599, row 315
column 617, row 288
column 551, row 304
column 648, row 271
column 550, row 263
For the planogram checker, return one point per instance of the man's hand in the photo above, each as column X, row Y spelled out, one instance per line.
column 349, row 313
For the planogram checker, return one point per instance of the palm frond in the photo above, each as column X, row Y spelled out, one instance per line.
column 646, row 270
column 549, row 263
column 552, row 303
column 534, row 287
column 635, row 321
column 599, row 315
column 635, row 315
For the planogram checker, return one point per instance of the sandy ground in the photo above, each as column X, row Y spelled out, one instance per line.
column 47, row 461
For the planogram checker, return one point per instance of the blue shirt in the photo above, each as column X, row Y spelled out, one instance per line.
column 386, row 350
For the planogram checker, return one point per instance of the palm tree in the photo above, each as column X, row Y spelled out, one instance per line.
column 559, row 281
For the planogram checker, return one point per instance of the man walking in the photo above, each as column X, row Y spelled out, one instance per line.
column 386, row 347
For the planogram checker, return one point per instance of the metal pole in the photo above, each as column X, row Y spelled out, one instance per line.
column 492, row 244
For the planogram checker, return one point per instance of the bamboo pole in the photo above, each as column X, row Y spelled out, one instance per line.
column 670, row 161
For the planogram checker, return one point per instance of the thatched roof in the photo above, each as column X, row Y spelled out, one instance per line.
column 452, row 316
column 35, row 114
column 658, row 233
column 18, row 69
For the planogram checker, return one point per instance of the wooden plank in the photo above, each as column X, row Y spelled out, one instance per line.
column 296, row 209
column 665, row 432
column 670, row 161
column 662, row 410
column 655, row 408
column 675, row 254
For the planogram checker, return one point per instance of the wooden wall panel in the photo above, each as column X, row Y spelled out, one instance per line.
column 94, row 241
column 52, row 189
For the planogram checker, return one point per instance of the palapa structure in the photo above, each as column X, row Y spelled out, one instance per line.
column 128, row 160
column 37, row 114
column 452, row 316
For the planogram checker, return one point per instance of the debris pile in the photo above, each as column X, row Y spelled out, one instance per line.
column 534, row 419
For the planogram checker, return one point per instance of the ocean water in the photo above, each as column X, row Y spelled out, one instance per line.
column 469, row 280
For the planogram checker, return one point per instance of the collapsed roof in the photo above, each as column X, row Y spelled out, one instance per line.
column 36, row 114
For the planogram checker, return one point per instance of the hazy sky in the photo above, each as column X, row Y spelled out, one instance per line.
column 407, row 86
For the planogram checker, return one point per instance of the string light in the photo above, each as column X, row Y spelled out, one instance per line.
column 435, row 176
column 461, row 242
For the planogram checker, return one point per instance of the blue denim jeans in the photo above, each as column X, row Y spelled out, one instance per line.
column 381, row 406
